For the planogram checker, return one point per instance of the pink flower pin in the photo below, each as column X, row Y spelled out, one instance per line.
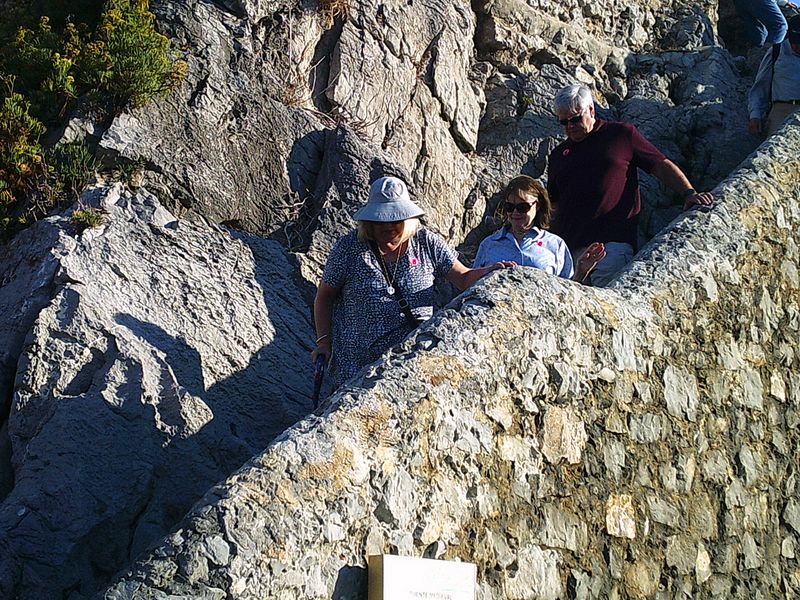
column 539, row 243
column 414, row 261
column 566, row 151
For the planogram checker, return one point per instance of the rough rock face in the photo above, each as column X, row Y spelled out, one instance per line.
column 457, row 93
column 163, row 356
column 639, row 441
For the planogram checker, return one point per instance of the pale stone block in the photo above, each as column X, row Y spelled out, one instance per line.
column 538, row 576
column 564, row 435
column 702, row 567
column 681, row 393
column 788, row 547
column 621, row 516
column 563, row 529
column 791, row 514
column 777, row 386
column 681, row 554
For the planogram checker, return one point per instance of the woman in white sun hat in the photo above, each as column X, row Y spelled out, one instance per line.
column 377, row 285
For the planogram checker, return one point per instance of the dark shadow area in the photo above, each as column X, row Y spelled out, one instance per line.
column 731, row 29
column 351, row 584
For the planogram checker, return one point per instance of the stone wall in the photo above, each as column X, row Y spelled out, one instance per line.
column 634, row 442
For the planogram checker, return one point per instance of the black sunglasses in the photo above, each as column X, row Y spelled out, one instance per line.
column 522, row 207
column 572, row 120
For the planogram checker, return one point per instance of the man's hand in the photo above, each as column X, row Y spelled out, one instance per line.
column 700, row 198
column 754, row 126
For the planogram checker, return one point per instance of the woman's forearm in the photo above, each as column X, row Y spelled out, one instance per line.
column 323, row 311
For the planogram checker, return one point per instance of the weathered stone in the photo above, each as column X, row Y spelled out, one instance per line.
column 716, row 467
column 702, row 567
column 614, row 458
column 641, row 579
column 537, row 576
column 661, row 511
column 159, row 406
column 680, row 391
column 564, row 435
column 788, row 547
column 562, row 529
column 753, row 555
column 681, row 554
column 646, row 428
column 791, row 514
column 620, row 516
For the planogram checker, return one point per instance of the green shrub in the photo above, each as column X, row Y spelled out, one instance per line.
column 84, row 218
column 130, row 59
column 112, row 54
column 72, row 166
column 20, row 152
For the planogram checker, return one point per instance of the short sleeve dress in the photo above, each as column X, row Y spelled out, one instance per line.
column 367, row 320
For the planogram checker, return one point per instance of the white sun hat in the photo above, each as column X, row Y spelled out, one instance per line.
column 388, row 201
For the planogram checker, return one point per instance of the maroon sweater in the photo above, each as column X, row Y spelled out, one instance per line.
column 595, row 187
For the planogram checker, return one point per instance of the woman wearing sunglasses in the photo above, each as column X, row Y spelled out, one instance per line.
column 524, row 238
column 377, row 285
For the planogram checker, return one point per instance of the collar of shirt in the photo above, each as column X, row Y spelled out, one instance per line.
column 533, row 234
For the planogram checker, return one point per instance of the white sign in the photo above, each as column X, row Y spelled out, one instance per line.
column 407, row 578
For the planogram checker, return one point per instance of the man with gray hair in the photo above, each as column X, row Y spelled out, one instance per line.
column 593, row 182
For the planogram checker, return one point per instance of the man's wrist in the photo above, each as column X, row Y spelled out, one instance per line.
column 690, row 192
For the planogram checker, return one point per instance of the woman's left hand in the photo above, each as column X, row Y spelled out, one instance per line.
column 588, row 260
column 503, row 264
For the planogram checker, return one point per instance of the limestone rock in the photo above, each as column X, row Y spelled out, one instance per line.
column 620, row 516
column 564, row 435
column 450, row 446
column 129, row 406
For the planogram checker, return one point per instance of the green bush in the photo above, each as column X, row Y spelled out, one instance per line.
column 84, row 218
column 72, row 166
column 130, row 59
column 43, row 63
column 20, row 151
column 111, row 54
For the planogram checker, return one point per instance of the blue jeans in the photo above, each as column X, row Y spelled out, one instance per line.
column 763, row 21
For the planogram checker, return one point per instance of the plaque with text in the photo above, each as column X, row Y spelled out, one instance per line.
column 408, row 578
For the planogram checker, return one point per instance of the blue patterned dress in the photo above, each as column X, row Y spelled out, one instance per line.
column 367, row 321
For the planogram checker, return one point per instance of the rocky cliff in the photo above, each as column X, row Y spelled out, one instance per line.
column 573, row 442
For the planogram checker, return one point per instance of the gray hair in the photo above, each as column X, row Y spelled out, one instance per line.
column 573, row 98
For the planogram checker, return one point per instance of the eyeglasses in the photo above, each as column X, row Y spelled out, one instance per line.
column 523, row 207
column 572, row 120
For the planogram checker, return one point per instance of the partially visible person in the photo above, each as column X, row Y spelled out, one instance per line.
column 524, row 238
column 377, row 285
column 763, row 20
column 775, row 93
column 594, row 185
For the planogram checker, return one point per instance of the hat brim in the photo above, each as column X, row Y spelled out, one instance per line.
column 389, row 212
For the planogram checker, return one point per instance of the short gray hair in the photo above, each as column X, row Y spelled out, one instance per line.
column 573, row 98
